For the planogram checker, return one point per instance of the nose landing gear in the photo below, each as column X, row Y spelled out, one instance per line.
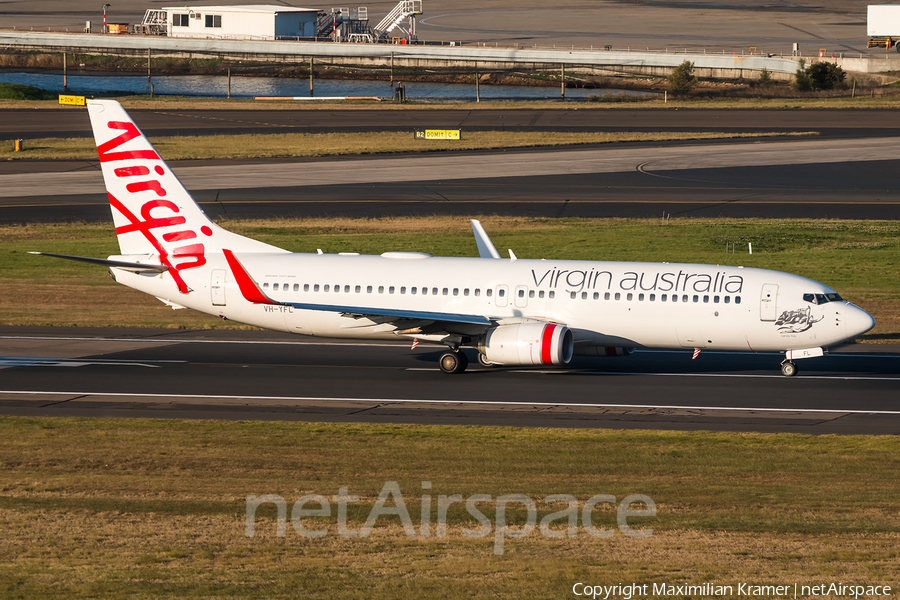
column 788, row 368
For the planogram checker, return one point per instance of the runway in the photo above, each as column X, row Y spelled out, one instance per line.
column 269, row 376
column 782, row 178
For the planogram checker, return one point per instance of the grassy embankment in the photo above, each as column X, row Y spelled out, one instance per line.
column 861, row 259
column 149, row 508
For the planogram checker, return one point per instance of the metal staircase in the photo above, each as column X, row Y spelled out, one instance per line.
column 154, row 23
column 405, row 9
column 341, row 23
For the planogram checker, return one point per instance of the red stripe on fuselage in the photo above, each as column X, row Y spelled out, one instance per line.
column 547, row 344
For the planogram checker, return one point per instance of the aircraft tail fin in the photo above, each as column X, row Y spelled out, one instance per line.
column 153, row 212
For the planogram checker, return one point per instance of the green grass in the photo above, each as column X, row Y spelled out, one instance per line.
column 148, row 508
column 335, row 144
column 861, row 259
column 15, row 91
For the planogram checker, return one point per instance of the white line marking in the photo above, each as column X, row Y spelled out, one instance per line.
column 564, row 371
column 485, row 402
column 399, row 344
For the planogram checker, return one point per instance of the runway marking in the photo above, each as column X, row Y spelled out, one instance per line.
column 31, row 361
column 563, row 371
column 398, row 344
column 447, row 402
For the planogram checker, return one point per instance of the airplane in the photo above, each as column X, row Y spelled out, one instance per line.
column 513, row 311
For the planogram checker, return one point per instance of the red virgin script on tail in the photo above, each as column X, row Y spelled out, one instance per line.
column 155, row 213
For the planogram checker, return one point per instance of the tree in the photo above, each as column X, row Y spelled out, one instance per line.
column 682, row 78
column 802, row 82
column 765, row 78
column 826, row 76
column 818, row 76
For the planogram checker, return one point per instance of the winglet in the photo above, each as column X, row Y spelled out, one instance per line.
column 485, row 246
column 249, row 290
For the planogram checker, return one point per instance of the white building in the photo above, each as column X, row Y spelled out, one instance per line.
column 252, row 21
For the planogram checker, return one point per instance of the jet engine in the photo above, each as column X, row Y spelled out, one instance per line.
column 528, row 344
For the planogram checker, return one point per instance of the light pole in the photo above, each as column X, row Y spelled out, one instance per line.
column 105, row 6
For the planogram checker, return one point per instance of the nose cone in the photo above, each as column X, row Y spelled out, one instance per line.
column 857, row 321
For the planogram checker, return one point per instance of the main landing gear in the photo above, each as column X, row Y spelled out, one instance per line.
column 453, row 362
column 788, row 368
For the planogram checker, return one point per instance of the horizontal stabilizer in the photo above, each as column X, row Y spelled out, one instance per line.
column 128, row 266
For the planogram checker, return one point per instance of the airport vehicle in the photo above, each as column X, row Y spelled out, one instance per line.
column 515, row 311
column 883, row 26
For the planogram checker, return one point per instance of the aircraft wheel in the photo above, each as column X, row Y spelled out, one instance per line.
column 453, row 362
column 788, row 369
column 483, row 361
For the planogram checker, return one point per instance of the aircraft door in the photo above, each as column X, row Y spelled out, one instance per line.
column 217, row 287
column 501, row 296
column 521, row 298
column 768, row 302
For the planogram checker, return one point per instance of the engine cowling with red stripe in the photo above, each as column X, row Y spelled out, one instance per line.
column 528, row 344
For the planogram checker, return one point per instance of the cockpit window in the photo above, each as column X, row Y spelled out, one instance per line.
column 821, row 298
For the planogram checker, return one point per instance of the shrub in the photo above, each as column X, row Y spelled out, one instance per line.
column 765, row 78
column 818, row 76
column 14, row 91
column 682, row 78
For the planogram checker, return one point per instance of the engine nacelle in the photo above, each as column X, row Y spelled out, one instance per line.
column 528, row 344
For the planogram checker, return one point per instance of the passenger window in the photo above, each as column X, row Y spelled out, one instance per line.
column 596, row 295
column 305, row 287
column 501, row 292
column 572, row 295
column 357, row 289
column 541, row 294
column 346, row 289
column 727, row 299
column 434, row 291
column 706, row 299
column 606, row 296
column 715, row 299
column 402, row 289
column 466, row 292
column 446, row 291
column 674, row 297
column 391, row 290
column 368, row 289
column 488, row 293
column 652, row 297
column 737, row 299
column 477, row 292
column 380, row 289
column 551, row 294
column 296, row 287
column 413, row 290
column 696, row 298
column 684, row 298
column 316, row 288
column 641, row 297
column 265, row 286
column 326, row 288
column 521, row 293
column 629, row 296
column 618, row 296
column 274, row 287
column 456, row 291
column 531, row 293
column 337, row 289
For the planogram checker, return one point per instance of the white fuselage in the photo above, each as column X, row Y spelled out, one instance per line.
column 605, row 304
